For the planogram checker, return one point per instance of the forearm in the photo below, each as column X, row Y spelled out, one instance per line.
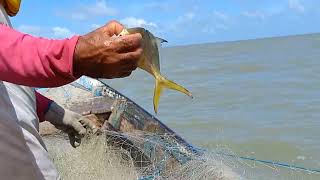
column 43, row 105
column 32, row 61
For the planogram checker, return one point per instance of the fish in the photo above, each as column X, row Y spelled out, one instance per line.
column 150, row 62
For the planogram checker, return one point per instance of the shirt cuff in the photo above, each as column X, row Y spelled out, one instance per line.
column 72, row 44
column 43, row 105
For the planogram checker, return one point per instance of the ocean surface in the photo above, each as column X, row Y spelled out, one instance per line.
column 258, row 98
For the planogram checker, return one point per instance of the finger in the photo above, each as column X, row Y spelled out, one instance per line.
column 129, row 68
column 122, row 75
column 114, row 28
column 89, row 124
column 74, row 140
column 78, row 127
column 125, row 74
column 131, row 57
column 129, row 42
column 77, row 140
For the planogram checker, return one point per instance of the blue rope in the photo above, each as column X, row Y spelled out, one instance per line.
column 278, row 164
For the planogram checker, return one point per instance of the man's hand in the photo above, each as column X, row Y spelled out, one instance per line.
column 75, row 125
column 103, row 54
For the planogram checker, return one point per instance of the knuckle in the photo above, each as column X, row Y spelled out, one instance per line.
column 133, row 56
column 139, row 51
column 127, row 74
column 132, row 40
column 84, row 120
column 73, row 123
column 138, row 38
column 113, row 21
column 82, row 132
column 134, row 67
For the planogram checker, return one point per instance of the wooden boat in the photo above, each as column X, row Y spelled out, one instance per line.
column 126, row 125
column 148, row 141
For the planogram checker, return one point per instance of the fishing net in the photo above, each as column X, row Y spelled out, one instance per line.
column 139, row 147
column 121, row 156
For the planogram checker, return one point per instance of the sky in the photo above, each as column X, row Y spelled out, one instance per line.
column 180, row 22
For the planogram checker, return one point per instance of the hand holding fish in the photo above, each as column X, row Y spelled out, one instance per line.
column 103, row 54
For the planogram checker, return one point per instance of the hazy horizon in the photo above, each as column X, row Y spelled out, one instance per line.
column 166, row 45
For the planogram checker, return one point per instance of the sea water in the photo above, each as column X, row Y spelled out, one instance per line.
column 258, row 98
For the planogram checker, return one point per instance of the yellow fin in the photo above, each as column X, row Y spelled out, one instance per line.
column 162, row 82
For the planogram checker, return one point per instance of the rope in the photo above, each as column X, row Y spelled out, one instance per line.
column 278, row 164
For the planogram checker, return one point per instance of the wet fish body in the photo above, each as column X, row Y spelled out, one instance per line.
column 149, row 62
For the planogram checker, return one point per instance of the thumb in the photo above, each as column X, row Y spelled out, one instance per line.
column 75, row 141
column 114, row 28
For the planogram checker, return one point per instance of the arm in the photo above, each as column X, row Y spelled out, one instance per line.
column 43, row 104
column 37, row 62
column 70, row 122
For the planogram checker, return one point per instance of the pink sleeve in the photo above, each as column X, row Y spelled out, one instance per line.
column 43, row 105
column 33, row 61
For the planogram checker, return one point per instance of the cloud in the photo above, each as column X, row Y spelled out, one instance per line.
column 101, row 8
column 182, row 22
column 158, row 6
column 254, row 15
column 193, row 22
column 221, row 15
column 296, row 6
column 208, row 30
column 222, row 21
column 189, row 15
column 31, row 29
column 137, row 22
column 86, row 11
column 186, row 17
column 78, row 16
column 218, row 21
column 48, row 32
column 61, row 32
column 221, row 26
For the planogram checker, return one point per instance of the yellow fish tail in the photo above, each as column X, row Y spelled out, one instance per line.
column 161, row 83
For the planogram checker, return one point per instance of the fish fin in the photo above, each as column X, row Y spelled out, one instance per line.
column 156, row 96
column 172, row 85
column 161, row 40
column 165, row 83
column 124, row 32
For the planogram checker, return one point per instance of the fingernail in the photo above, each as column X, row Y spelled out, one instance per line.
column 76, row 144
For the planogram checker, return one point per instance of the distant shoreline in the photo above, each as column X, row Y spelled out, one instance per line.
column 241, row 40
